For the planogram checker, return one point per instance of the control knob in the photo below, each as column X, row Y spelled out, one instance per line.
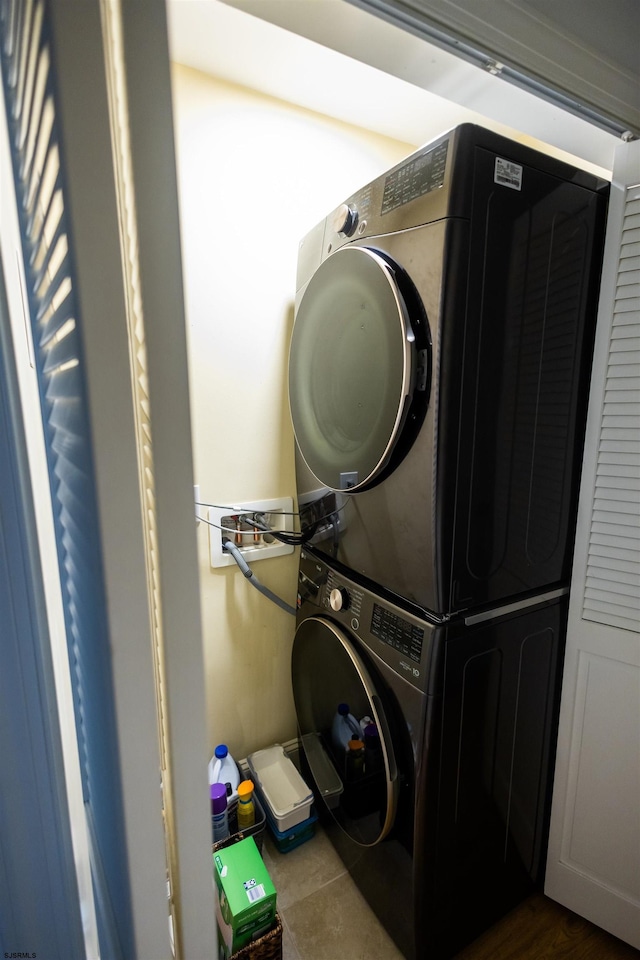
column 339, row 599
column 345, row 220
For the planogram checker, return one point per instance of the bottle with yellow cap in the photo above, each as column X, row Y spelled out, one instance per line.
column 246, row 806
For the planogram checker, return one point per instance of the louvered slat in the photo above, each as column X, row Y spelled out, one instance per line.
column 47, row 243
column 612, row 593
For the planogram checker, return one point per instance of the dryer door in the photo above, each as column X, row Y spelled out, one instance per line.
column 359, row 367
column 328, row 670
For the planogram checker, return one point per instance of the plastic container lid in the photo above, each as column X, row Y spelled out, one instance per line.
column 221, row 751
column 343, row 709
column 245, row 790
column 218, row 794
column 356, row 745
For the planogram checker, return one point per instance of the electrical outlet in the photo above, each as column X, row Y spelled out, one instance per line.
column 254, row 545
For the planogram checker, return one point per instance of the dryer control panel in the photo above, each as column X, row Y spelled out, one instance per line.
column 419, row 175
column 411, row 194
column 401, row 640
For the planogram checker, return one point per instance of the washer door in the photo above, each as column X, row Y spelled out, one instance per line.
column 354, row 366
column 328, row 670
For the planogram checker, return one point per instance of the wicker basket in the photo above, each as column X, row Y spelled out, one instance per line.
column 266, row 947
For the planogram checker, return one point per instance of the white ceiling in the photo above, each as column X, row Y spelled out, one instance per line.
column 331, row 57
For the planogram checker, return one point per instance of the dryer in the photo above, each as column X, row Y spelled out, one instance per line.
column 444, row 828
column 439, row 370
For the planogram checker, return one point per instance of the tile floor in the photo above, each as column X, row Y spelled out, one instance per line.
column 324, row 916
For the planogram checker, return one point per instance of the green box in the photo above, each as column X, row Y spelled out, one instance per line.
column 246, row 896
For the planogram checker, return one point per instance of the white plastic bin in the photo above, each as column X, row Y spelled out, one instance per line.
column 284, row 791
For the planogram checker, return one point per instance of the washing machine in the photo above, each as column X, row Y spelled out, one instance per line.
column 439, row 370
column 443, row 827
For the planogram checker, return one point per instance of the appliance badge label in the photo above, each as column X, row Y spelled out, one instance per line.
column 508, row 174
column 410, row 668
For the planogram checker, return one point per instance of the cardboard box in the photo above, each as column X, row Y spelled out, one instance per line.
column 245, row 895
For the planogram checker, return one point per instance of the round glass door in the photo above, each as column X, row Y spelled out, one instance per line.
column 358, row 786
column 351, row 368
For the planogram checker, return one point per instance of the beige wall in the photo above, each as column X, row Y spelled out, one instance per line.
column 255, row 174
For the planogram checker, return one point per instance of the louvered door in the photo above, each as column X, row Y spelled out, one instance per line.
column 89, row 123
column 612, row 593
column 42, row 202
column 594, row 847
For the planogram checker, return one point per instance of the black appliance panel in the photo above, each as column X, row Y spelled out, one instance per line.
column 525, row 355
column 492, row 760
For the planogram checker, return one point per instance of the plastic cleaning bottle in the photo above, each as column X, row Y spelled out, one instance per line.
column 223, row 769
column 344, row 727
column 219, row 812
column 372, row 749
column 246, row 806
column 355, row 760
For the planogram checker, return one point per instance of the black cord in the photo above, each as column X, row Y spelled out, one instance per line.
column 295, row 539
column 330, row 515
column 291, row 538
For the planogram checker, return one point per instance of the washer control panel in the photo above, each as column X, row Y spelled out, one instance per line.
column 342, row 598
column 397, row 632
column 397, row 637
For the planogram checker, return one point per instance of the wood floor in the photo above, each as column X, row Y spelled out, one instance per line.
column 540, row 929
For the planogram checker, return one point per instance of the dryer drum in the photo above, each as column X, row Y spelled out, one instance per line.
column 359, row 368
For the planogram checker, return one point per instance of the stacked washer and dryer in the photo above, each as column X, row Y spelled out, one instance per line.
column 439, row 372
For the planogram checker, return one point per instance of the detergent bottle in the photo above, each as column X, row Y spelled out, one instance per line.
column 223, row 769
column 373, row 761
column 219, row 811
column 354, row 766
column 246, row 806
column 344, row 728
